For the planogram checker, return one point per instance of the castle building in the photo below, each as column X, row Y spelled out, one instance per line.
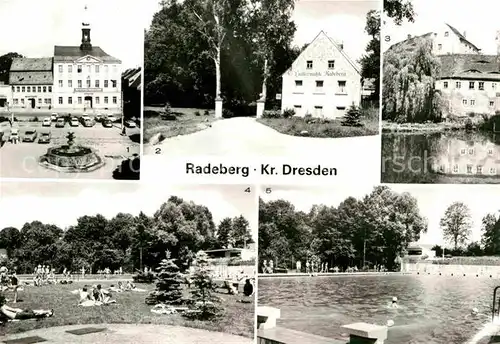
column 77, row 79
column 322, row 82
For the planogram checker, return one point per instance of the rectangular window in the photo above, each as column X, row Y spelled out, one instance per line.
column 472, row 102
column 97, row 100
column 493, row 170
column 298, row 83
column 97, row 68
column 70, row 83
column 341, row 87
column 39, row 89
column 50, row 88
column 88, row 83
column 89, row 69
column 458, row 84
column 481, row 85
column 79, row 68
column 440, row 46
column 113, row 83
column 455, row 169
column 60, row 83
column 471, row 151
column 79, row 82
column 471, row 85
column 44, row 88
column 22, row 101
column 445, row 84
column 492, row 103
column 49, row 101
column 23, row 89
column 115, row 100
column 105, row 68
column 60, row 68
column 494, row 85
column 479, row 169
column 18, row 89
column 319, row 83
column 490, row 151
column 464, row 101
column 60, row 100
column 29, row 89
column 105, row 100
column 97, row 83
column 446, row 34
column 79, row 100
column 70, row 100
column 309, row 64
column 40, row 101
column 331, row 64
column 297, row 106
column 105, row 83
column 469, row 169
column 16, row 101
column 70, row 68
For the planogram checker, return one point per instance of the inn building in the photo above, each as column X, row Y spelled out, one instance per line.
column 322, row 82
column 77, row 79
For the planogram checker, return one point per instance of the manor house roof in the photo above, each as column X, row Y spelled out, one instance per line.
column 469, row 66
column 71, row 53
column 23, row 64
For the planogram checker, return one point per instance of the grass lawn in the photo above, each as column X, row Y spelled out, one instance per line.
column 130, row 308
column 183, row 121
column 324, row 128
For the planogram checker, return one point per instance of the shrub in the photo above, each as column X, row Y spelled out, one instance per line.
column 272, row 114
column 226, row 113
column 35, row 119
column 468, row 124
column 353, row 117
column 287, row 113
column 206, row 113
column 197, row 113
column 146, row 278
column 167, row 109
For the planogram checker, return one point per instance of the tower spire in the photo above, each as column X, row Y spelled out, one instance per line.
column 86, row 45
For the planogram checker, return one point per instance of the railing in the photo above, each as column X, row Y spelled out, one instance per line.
column 495, row 310
column 269, row 333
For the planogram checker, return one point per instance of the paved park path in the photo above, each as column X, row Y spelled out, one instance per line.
column 245, row 137
column 129, row 334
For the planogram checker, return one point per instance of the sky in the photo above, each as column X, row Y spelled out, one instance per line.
column 433, row 200
column 61, row 203
column 478, row 18
column 33, row 27
column 344, row 21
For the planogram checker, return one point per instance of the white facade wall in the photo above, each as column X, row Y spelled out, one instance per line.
column 321, row 82
column 5, row 96
column 87, row 85
column 445, row 42
column 37, row 97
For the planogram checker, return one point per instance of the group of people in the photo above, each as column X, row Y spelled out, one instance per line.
column 9, row 281
column 44, row 275
column 94, row 295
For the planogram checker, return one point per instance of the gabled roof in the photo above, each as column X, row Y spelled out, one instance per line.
column 31, row 78
column 133, row 77
column 469, row 66
column 71, row 53
column 336, row 45
column 412, row 41
column 462, row 37
column 20, row 64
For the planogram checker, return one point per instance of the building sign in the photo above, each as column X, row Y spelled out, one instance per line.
column 78, row 90
column 319, row 74
column 278, row 96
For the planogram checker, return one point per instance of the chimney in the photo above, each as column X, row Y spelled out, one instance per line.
column 465, row 34
column 409, row 36
column 341, row 45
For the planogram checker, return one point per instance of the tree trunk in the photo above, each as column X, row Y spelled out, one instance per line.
column 264, row 80
column 217, row 74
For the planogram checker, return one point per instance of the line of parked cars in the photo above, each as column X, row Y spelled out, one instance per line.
column 85, row 120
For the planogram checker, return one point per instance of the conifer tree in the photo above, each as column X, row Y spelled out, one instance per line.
column 353, row 117
column 168, row 283
column 203, row 292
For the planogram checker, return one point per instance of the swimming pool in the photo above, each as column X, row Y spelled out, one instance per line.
column 433, row 309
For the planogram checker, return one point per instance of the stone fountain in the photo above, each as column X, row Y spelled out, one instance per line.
column 71, row 157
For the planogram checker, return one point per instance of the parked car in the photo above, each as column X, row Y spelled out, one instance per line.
column 45, row 137
column 30, row 135
column 88, row 122
column 74, row 122
column 107, row 123
column 60, row 122
column 112, row 118
column 100, row 117
column 130, row 124
column 54, row 116
column 47, row 122
column 14, row 134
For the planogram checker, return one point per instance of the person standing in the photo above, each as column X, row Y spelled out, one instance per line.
column 298, row 266
column 307, row 267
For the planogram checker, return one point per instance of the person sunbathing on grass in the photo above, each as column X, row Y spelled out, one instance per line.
column 10, row 313
column 103, row 295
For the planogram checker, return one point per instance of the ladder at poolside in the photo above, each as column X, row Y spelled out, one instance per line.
column 495, row 309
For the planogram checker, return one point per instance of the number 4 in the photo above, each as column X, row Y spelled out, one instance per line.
column 248, row 189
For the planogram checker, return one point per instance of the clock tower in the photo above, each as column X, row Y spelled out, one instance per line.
column 86, row 45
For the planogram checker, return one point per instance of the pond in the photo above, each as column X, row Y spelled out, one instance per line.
column 432, row 309
column 449, row 157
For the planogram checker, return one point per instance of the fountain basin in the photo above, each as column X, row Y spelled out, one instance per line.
column 72, row 158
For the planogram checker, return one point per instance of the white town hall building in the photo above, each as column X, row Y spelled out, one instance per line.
column 322, row 82
column 76, row 79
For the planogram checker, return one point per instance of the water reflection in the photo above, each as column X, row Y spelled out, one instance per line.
column 433, row 310
column 461, row 157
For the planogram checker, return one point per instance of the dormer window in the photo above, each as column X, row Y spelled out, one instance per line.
column 79, row 68
column 446, row 34
column 440, row 46
column 309, row 64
